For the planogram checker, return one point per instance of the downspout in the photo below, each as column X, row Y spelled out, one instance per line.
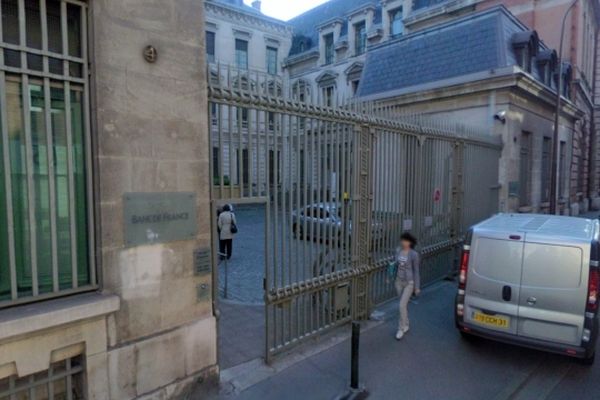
column 592, row 188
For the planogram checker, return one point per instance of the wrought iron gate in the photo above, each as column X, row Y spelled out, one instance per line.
column 341, row 183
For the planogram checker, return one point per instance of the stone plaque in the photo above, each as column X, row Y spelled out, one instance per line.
column 159, row 217
column 202, row 261
column 202, row 291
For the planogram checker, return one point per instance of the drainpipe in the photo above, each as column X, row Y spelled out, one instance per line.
column 555, row 139
column 592, row 186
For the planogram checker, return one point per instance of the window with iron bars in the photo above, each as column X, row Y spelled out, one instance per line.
column 63, row 380
column 45, row 181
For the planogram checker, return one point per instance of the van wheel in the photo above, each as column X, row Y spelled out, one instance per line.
column 589, row 360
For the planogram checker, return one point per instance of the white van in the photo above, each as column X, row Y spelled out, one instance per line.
column 532, row 280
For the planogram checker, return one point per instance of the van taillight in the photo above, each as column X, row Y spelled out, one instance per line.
column 593, row 282
column 464, row 268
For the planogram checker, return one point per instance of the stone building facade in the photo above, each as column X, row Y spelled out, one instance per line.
column 100, row 103
column 247, row 49
column 580, row 40
column 337, row 72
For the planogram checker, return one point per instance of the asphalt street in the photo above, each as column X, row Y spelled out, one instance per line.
column 432, row 362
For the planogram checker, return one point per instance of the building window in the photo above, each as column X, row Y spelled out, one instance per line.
column 525, row 170
column 242, row 116
column 45, row 179
column 210, row 47
column 241, row 53
column 274, row 163
column 328, row 48
column 360, row 38
column 271, row 120
column 328, row 96
column 63, row 380
column 546, row 168
column 396, row 24
column 214, row 113
column 272, row 60
column 244, row 165
column 216, row 162
column 302, row 168
column 562, row 168
column 355, row 87
column 301, row 91
column 580, row 173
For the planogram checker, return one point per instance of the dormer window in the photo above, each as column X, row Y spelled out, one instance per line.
column 524, row 58
column 526, row 45
column 547, row 61
column 329, row 49
column 396, row 24
column 360, row 38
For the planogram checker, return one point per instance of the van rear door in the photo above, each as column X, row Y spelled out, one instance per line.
column 493, row 281
column 553, row 290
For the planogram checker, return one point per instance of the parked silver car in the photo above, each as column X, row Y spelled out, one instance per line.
column 320, row 221
column 532, row 280
column 325, row 221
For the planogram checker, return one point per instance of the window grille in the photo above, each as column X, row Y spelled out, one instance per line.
column 63, row 380
column 46, row 237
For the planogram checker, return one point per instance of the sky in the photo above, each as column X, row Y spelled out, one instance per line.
column 286, row 9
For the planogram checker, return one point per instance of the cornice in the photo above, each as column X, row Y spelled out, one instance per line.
column 238, row 16
column 298, row 58
column 509, row 79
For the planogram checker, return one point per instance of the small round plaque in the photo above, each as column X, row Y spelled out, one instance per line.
column 150, row 54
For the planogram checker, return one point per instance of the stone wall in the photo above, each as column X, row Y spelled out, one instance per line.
column 152, row 136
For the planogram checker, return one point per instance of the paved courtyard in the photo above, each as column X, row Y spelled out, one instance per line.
column 246, row 268
column 298, row 259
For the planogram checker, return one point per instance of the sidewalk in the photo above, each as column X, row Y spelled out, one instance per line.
column 431, row 362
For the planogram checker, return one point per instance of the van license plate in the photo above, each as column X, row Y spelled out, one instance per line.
column 491, row 320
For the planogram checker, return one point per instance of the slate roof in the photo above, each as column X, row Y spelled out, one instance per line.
column 305, row 25
column 476, row 43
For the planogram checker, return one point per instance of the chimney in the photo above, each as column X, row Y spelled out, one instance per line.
column 256, row 4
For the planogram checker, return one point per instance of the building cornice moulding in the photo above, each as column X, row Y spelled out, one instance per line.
column 237, row 16
column 505, row 78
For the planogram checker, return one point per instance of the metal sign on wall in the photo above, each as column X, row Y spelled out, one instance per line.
column 159, row 217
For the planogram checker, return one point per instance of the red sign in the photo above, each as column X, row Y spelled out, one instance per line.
column 437, row 195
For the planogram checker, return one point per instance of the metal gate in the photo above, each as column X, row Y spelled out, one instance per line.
column 340, row 184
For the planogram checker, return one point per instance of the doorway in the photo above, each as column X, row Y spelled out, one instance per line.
column 240, row 282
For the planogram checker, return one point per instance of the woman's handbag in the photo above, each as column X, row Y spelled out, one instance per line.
column 234, row 228
column 392, row 270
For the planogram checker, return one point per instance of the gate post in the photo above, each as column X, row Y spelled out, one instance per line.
column 362, row 201
column 458, row 185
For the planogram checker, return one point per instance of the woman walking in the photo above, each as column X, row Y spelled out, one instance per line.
column 408, row 279
column 227, row 228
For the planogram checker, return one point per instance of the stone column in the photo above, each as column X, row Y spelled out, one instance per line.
column 151, row 134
